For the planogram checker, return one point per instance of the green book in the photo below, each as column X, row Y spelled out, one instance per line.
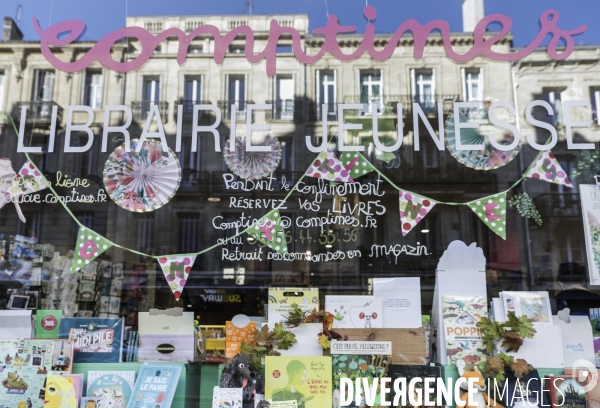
column 47, row 324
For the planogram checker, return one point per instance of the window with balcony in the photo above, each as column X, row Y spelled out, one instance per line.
column 43, row 93
column 2, row 82
column 594, row 99
column 283, row 90
column 326, row 93
column 423, row 88
column 371, row 88
column 43, row 85
column 236, row 94
column 472, row 79
column 93, row 85
column 151, row 89
column 554, row 97
column 189, row 232
column 193, row 88
column 151, row 92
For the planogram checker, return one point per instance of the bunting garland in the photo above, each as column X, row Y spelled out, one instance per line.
column 492, row 211
column 355, row 164
column 176, row 269
column 270, row 232
column 329, row 167
column 413, row 208
column 269, row 229
column 547, row 168
column 89, row 246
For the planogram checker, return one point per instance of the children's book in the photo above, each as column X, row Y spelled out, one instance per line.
column 358, row 359
column 463, row 338
column 77, row 381
column 306, row 380
column 155, row 386
column 409, row 372
column 227, row 397
column 60, row 391
column 117, row 383
column 355, row 312
column 47, row 324
column 25, row 365
column 94, row 339
column 282, row 299
column 534, row 305
column 566, row 391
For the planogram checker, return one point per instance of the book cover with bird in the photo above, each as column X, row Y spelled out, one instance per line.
column 307, row 380
column 463, row 338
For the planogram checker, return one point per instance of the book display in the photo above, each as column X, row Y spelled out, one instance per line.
column 299, row 205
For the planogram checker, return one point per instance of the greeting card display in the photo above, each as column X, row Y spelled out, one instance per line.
column 26, row 364
column 460, row 272
column 358, row 359
column 463, row 337
column 355, row 312
column 95, row 339
column 281, row 300
column 306, row 380
column 117, row 384
column 155, row 386
column 534, row 305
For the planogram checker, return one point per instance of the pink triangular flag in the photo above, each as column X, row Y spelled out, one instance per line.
column 548, row 169
column 176, row 269
column 327, row 166
column 413, row 208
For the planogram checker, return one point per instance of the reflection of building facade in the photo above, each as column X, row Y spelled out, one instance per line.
column 297, row 94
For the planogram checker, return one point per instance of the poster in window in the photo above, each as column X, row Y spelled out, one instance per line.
column 590, row 209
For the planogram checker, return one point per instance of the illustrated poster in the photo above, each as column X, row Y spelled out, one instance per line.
column 463, row 338
column 355, row 312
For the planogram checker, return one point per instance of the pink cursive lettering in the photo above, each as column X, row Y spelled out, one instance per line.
column 66, row 32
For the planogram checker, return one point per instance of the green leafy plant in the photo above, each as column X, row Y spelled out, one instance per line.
column 297, row 317
column 265, row 343
column 588, row 166
column 526, row 207
column 510, row 335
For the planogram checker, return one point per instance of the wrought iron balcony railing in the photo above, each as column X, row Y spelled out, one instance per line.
column 141, row 109
column 188, row 110
column 240, row 105
column 38, row 112
column 285, row 109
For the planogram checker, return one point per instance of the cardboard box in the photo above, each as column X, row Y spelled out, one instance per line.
column 409, row 346
column 166, row 335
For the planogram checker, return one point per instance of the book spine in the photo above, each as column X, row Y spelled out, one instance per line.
column 129, row 346
column 135, row 347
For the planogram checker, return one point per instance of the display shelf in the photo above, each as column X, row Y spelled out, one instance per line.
column 452, row 372
column 210, row 379
column 186, row 394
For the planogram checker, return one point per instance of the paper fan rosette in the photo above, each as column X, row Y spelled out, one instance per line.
column 252, row 165
column 487, row 159
column 142, row 181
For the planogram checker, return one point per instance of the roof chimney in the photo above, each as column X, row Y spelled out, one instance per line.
column 472, row 13
column 11, row 31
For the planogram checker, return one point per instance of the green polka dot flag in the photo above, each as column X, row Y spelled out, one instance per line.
column 270, row 232
column 89, row 246
column 492, row 211
column 356, row 164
